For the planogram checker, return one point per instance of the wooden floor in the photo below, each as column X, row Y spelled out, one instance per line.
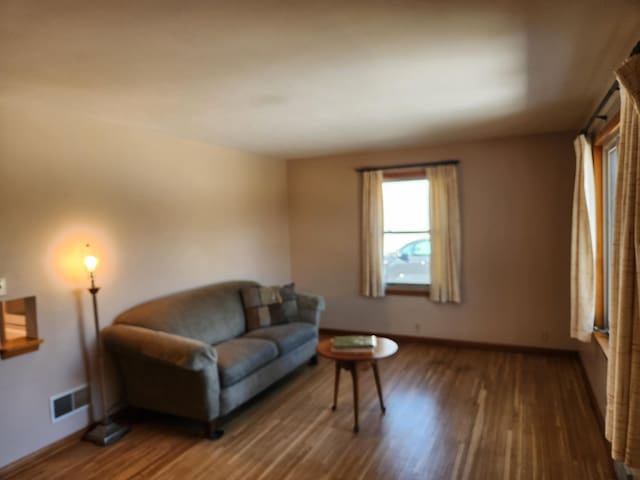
column 451, row 414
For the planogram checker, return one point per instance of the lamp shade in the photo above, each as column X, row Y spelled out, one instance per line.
column 91, row 263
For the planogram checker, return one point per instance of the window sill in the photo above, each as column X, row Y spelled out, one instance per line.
column 603, row 342
column 408, row 290
column 19, row 346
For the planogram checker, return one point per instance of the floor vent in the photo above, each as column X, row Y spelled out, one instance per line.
column 70, row 402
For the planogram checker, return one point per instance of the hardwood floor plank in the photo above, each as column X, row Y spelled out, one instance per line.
column 452, row 413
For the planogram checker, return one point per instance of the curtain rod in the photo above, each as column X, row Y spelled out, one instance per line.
column 613, row 89
column 408, row 165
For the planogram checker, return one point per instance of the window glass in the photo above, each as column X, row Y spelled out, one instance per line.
column 407, row 244
column 609, row 202
column 421, row 248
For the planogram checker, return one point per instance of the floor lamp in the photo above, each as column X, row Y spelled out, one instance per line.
column 107, row 431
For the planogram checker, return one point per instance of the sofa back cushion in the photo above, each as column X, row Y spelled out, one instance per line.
column 211, row 314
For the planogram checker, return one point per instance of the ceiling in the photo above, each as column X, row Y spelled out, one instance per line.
column 291, row 78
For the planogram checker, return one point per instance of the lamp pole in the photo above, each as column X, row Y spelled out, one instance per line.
column 103, row 397
column 106, row 432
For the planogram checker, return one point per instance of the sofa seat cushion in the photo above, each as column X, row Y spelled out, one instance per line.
column 240, row 357
column 287, row 336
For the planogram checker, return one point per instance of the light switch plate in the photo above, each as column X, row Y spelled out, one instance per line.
column 3, row 286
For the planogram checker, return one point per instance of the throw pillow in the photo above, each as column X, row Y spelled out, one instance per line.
column 289, row 302
column 262, row 307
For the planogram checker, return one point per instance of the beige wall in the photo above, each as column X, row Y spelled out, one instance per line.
column 516, row 215
column 166, row 214
column 163, row 214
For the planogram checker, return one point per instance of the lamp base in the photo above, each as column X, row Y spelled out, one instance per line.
column 106, row 434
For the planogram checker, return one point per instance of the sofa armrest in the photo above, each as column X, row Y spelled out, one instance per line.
column 159, row 346
column 310, row 307
column 164, row 372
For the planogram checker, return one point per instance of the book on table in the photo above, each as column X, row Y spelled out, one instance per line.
column 354, row 343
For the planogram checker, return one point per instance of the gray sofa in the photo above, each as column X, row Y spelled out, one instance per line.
column 189, row 354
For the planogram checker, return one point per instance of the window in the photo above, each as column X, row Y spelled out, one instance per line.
column 407, row 243
column 609, row 173
column 18, row 327
column 605, row 169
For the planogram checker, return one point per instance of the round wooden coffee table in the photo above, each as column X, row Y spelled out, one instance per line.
column 349, row 361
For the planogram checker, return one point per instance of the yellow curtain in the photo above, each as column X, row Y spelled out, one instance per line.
column 583, row 238
column 444, row 211
column 372, row 282
column 623, row 377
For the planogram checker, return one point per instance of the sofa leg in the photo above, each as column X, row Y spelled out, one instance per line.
column 313, row 360
column 211, row 431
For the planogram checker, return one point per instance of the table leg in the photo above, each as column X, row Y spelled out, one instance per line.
column 336, row 385
column 353, row 366
column 376, row 374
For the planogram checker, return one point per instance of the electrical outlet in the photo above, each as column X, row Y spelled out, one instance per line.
column 3, row 286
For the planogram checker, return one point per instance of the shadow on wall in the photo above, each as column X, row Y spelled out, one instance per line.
column 86, row 353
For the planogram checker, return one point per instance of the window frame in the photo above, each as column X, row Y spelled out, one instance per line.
column 406, row 289
column 602, row 142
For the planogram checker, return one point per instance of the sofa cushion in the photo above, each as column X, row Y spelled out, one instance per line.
column 210, row 314
column 240, row 357
column 262, row 306
column 287, row 336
